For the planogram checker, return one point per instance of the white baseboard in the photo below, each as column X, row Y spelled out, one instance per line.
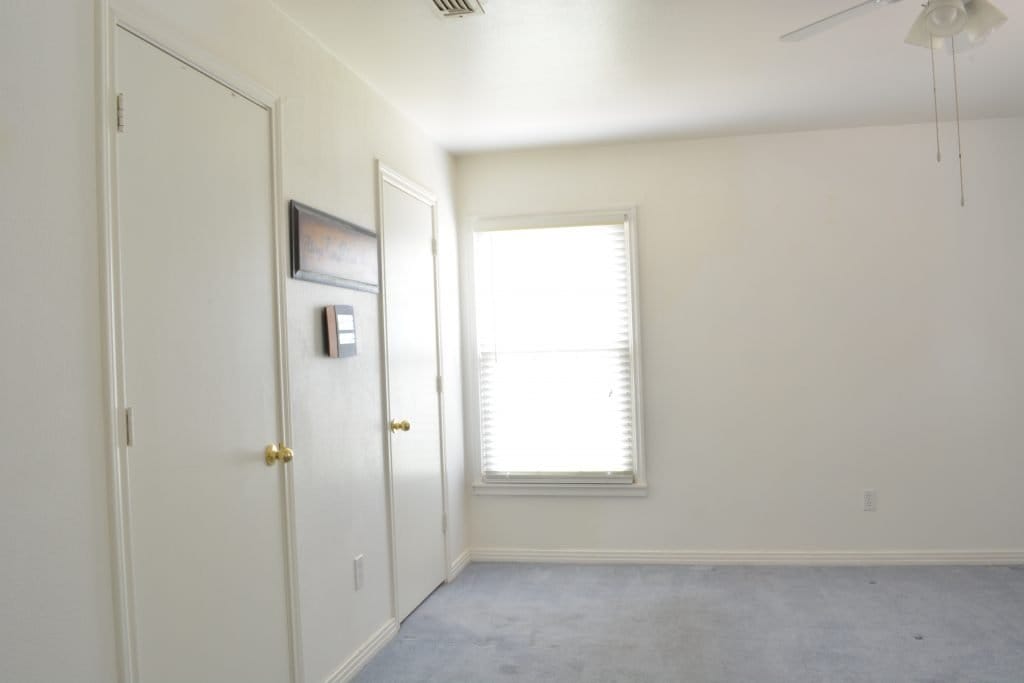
column 752, row 557
column 459, row 564
column 351, row 666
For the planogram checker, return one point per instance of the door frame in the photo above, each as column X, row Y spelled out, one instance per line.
column 388, row 176
column 112, row 15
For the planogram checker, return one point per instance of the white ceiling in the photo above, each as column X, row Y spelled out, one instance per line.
column 537, row 72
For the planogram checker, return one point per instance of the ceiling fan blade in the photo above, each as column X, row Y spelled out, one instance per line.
column 832, row 20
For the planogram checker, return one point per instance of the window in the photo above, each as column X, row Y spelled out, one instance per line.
column 556, row 352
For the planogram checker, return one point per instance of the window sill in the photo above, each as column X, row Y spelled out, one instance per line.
column 532, row 489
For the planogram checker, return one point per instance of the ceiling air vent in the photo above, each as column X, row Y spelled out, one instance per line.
column 458, row 8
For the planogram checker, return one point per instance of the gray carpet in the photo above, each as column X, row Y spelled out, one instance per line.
column 505, row 622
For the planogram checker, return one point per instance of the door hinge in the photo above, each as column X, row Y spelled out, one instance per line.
column 433, row 245
column 440, row 385
column 120, row 112
column 129, row 426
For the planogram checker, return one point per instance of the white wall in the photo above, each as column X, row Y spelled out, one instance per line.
column 56, row 581
column 819, row 317
column 55, row 588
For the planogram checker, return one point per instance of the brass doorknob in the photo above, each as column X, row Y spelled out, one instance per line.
column 403, row 425
column 278, row 453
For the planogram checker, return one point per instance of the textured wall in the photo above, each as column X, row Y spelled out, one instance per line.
column 819, row 317
column 56, row 587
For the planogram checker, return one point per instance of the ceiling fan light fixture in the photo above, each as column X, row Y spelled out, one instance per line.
column 921, row 36
column 982, row 19
column 945, row 17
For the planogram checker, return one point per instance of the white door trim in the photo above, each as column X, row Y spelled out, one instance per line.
column 386, row 175
column 111, row 15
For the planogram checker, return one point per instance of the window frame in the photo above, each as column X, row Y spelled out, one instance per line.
column 534, row 487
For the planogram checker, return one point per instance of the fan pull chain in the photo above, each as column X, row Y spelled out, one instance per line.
column 959, row 146
column 935, row 103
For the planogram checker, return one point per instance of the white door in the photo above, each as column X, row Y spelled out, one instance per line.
column 407, row 229
column 201, row 377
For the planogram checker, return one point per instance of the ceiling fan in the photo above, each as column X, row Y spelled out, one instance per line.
column 971, row 20
column 942, row 24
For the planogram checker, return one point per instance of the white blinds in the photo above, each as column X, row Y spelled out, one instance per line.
column 554, row 351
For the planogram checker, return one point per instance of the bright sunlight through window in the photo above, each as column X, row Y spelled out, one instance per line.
column 555, row 354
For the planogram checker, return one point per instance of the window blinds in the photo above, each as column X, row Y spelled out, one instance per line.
column 554, row 353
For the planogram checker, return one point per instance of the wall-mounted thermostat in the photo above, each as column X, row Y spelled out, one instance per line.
column 340, row 328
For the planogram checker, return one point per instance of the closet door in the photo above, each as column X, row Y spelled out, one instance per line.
column 201, row 375
column 415, row 446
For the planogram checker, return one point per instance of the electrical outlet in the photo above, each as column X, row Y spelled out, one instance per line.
column 357, row 571
column 870, row 500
